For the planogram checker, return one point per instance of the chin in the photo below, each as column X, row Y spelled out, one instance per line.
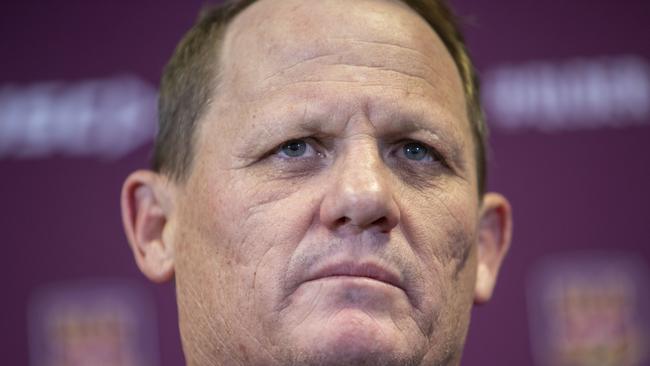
column 354, row 337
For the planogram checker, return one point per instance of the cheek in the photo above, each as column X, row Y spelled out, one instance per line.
column 232, row 249
column 245, row 233
column 441, row 229
column 442, row 225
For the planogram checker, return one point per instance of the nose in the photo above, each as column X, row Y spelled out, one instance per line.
column 361, row 196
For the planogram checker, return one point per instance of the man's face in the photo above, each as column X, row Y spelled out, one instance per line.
column 331, row 212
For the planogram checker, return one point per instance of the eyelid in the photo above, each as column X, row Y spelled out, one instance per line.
column 311, row 143
column 436, row 155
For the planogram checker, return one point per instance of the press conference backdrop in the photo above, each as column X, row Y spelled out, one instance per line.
column 566, row 86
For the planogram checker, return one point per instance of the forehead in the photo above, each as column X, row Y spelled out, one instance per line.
column 338, row 54
column 279, row 35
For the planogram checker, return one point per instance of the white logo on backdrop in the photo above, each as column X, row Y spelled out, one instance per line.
column 570, row 95
column 106, row 118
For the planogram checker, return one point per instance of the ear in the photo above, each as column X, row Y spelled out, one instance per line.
column 494, row 233
column 146, row 207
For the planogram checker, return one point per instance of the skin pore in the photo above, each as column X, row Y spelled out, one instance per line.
column 332, row 215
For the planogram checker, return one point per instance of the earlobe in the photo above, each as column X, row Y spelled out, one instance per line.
column 146, row 208
column 494, row 234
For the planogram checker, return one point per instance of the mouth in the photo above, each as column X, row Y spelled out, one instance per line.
column 366, row 270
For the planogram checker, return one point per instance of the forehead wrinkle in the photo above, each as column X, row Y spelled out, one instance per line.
column 299, row 102
column 394, row 46
column 393, row 74
column 414, row 107
column 349, row 56
column 296, row 64
column 368, row 59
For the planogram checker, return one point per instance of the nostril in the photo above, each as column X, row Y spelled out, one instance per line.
column 380, row 221
column 342, row 221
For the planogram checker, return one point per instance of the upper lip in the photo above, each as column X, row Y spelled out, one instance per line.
column 364, row 269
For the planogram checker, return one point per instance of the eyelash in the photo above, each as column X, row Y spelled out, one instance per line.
column 436, row 156
column 311, row 143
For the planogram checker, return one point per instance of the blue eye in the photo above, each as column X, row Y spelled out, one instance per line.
column 294, row 148
column 415, row 151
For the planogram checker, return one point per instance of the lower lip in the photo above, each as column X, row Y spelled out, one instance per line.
column 355, row 281
column 350, row 291
column 338, row 292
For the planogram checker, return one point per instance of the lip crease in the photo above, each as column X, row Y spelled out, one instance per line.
column 363, row 270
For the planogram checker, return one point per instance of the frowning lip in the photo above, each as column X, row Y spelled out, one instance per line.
column 364, row 270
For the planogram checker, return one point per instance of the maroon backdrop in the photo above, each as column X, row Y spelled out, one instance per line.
column 580, row 187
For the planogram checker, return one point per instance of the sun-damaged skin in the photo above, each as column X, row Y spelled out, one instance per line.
column 345, row 248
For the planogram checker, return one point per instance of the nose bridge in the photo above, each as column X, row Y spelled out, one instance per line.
column 361, row 169
column 361, row 196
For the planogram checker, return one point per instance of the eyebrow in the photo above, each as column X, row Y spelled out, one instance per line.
column 310, row 116
column 448, row 142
